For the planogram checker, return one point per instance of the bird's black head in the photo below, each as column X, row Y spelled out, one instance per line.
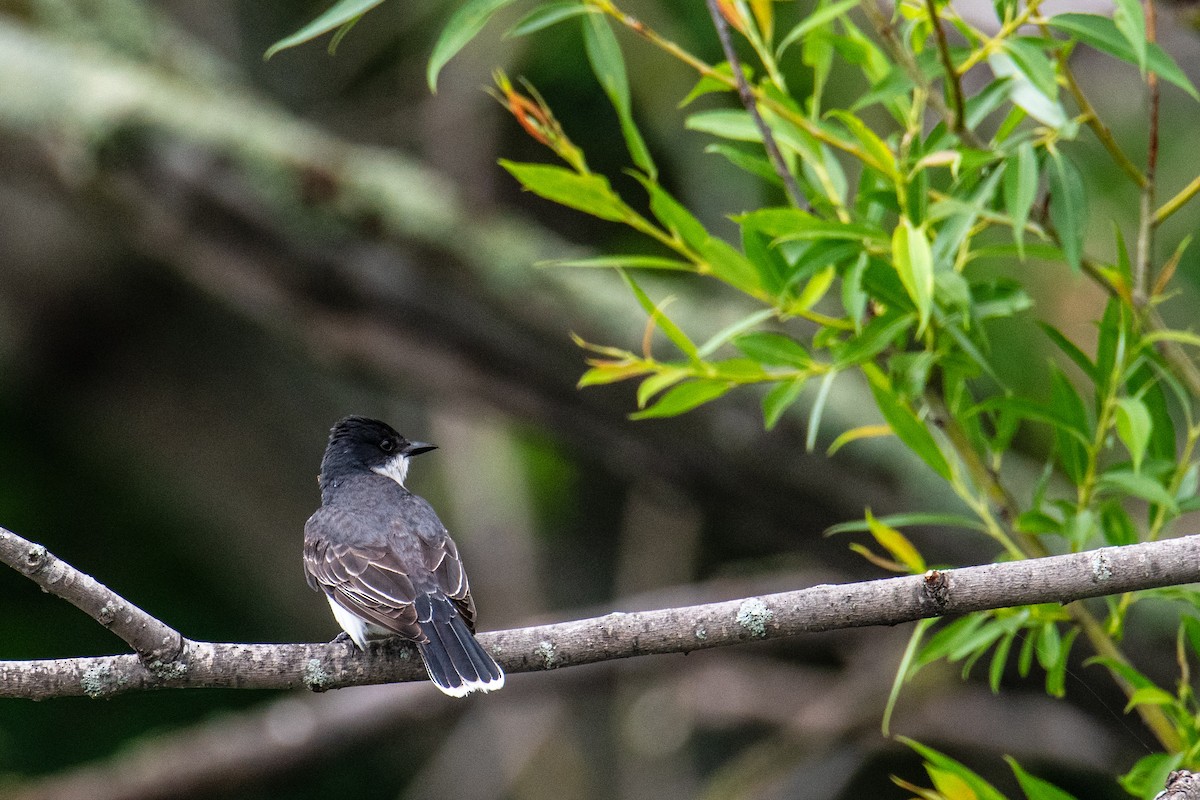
column 359, row 444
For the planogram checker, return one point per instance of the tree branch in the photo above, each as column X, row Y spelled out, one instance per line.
column 320, row 667
column 155, row 642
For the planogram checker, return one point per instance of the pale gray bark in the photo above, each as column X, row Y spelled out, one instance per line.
column 320, row 667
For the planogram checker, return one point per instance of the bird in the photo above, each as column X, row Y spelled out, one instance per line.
column 386, row 563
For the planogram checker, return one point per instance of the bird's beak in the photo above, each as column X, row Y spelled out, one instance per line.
column 416, row 448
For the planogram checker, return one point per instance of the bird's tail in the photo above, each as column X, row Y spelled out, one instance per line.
column 454, row 658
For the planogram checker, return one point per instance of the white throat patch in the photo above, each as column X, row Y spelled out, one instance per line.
column 395, row 468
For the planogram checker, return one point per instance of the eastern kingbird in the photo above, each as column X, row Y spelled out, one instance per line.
column 385, row 562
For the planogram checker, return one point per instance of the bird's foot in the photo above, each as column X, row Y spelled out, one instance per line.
column 344, row 639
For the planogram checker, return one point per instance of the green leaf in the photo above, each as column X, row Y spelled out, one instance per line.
column 774, row 349
column 1033, row 63
column 546, row 15
column 1138, row 485
column 461, row 29
column 819, row 16
column 1072, row 352
column 906, row 519
column 999, row 660
column 904, row 422
column 875, row 337
column 1024, row 92
column 626, row 262
column 1072, row 440
column 733, row 329
column 1149, row 774
column 664, row 378
column 1149, row 696
column 914, row 263
column 710, row 83
column 781, row 396
column 1037, row 412
column 1068, row 207
column 655, row 312
column 1020, row 190
column 885, row 159
column 897, row 544
column 341, row 13
column 1134, row 427
column 982, row 789
column 1102, row 34
column 756, row 165
column 818, row 408
column 1131, row 22
column 1036, row 788
column 604, row 54
column 684, row 398
column 590, row 193
column 1056, row 673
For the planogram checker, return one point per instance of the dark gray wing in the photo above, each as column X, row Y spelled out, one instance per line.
column 381, row 582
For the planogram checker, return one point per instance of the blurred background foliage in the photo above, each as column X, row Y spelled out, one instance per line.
column 208, row 258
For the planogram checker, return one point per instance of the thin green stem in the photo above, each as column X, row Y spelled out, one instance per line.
column 1177, row 202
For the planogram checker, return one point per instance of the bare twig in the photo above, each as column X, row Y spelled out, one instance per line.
column 320, row 667
column 747, row 96
column 958, row 113
column 155, row 642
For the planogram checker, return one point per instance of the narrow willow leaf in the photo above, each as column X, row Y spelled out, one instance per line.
column 341, row 13
column 590, row 192
column 624, row 261
column 1134, row 427
column 757, row 166
column 781, row 397
column 875, row 337
column 664, row 323
column 905, row 670
column 774, row 349
column 611, row 373
column 1068, row 207
column 684, row 398
column 1036, row 788
column 740, row 326
column 904, row 422
column 658, row 382
column 819, row 17
column 818, row 409
column 853, row 435
column 1033, row 63
column 1024, row 93
column 459, row 31
column 903, row 520
column 547, row 15
column 897, row 544
column 1142, row 486
column 871, row 143
column 1020, row 190
column 914, row 263
column 981, row 788
column 1101, row 33
column 1072, row 352
column 999, row 661
column 1131, row 22
column 604, row 54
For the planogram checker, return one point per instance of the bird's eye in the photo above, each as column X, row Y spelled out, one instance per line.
column 387, row 445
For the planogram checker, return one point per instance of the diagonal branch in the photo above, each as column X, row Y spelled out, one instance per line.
column 155, row 642
column 319, row 667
